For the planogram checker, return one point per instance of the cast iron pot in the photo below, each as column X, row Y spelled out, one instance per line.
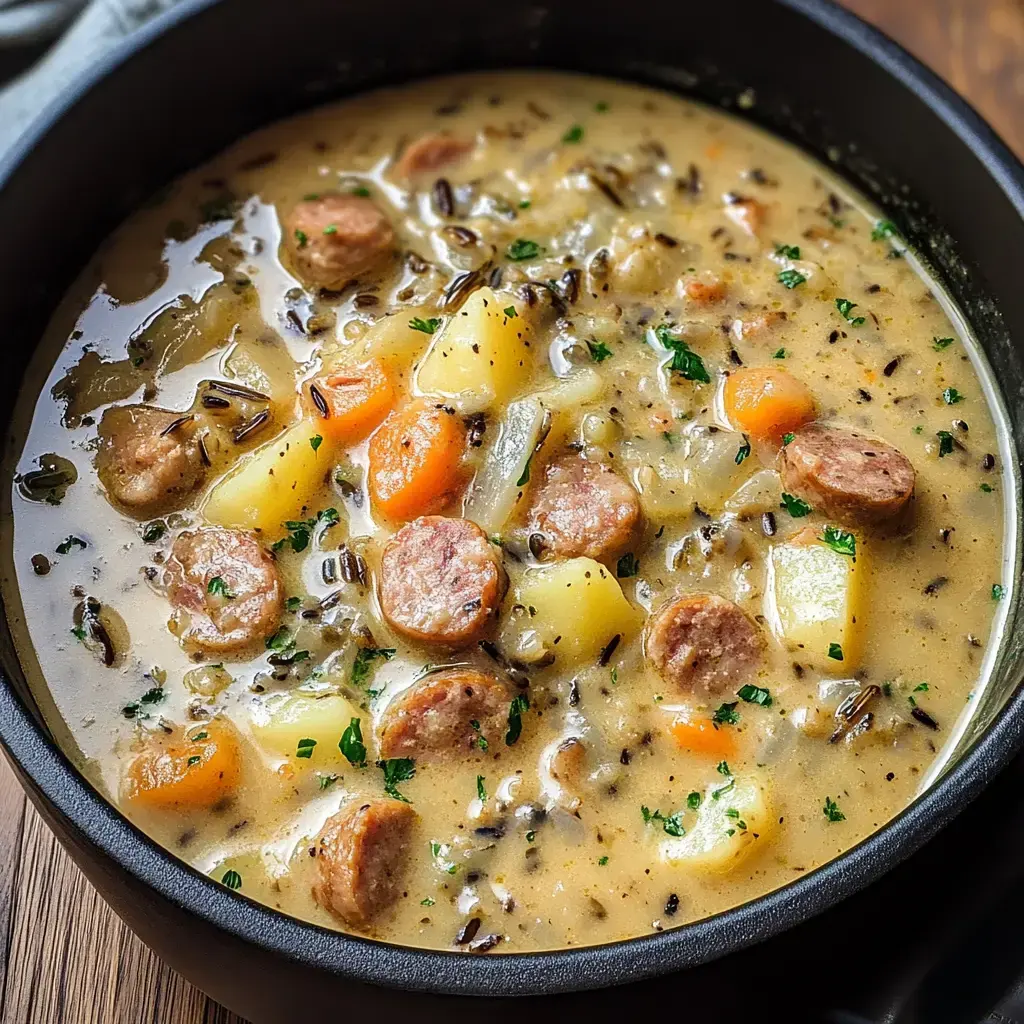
column 208, row 72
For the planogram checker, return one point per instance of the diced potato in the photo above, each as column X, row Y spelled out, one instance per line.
column 573, row 608
column 281, row 721
column 730, row 826
column 392, row 339
column 480, row 358
column 273, row 484
column 815, row 600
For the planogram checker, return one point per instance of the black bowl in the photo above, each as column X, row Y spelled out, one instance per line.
column 208, row 72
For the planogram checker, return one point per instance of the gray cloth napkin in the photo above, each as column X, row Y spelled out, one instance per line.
column 100, row 25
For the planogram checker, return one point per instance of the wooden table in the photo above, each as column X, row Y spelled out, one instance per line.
column 68, row 959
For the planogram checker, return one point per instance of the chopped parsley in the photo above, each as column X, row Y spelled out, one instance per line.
column 232, row 879
column 602, row 861
column 300, row 530
column 362, row 191
column 315, row 441
column 523, row 249
column 70, row 542
column 363, row 665
column 530, row 836
column 219, row 588
column 510, row 312
column 835, row 652
column 153, row 532
column 397, row 770
column 672, row 824
column 940, row 343
column 779, row 354
column 685, row 361
column 437, row 851
column 628, row 565
column 945, row 443
column 194, row 759
column 524, row 479
column 326, row 781
column 841, row 542
column 426, row 902
column 921, row 688
column 743, row 451
column 791, row 278
column 305, row 748
column 791, row 252
column 78, row 632
column 831, row 810
column 281, row 641
column 997, row 591
column 796, row 507
column 786, row 438
column 352, row 746
column 755, row 695
column 884, row 229
column 726, row 714
column 599, row 351
column 987, row 488
column 301, row 237
column 481, row 740
column 525, row 204
column 951, row 396
column 573, row 134
column 846, row 307
column 331, row 229
column 481, row 790
column 693, row 801
column 723, row 768
column 293, row 604
column 427, row 326
column 717, row 794
column 520, row 703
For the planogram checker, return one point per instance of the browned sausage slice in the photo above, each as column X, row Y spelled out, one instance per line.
column 449, row 714
column 847, row 475
column 430, row 153
column 704, row 644
column 441, row 581
column 362, row 853
column 149, row 459
column 334, row 239
column 229, row 586
column 583, row 508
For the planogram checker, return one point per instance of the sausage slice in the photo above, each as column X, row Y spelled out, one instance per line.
column 149, row 459
column 847, row 475
column 441, row 581
column 361, row 856
column 229, row 586
column 333, row 239
column 430, row 153
column 449, row 714
column 583, row 508
column 704, row 644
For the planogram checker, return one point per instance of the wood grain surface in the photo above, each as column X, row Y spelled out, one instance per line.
column 68, row 959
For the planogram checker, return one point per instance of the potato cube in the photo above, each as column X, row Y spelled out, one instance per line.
column 815, row 601
column 282, row 721
column 735, row 818
column 572, row 608
column 273, row 484
column 481, row 356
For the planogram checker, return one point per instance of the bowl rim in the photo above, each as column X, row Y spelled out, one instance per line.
column 52, row 775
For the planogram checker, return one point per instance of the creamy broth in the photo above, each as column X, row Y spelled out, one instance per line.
column 644, row 254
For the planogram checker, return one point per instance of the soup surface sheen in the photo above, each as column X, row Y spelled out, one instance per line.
column 705, row 503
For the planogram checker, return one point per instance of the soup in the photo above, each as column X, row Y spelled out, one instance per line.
column 507, row 513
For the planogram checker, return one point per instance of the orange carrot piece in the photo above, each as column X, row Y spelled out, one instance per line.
column 356, row 400
column 767, row 402
column 198, row 767
column 699, row 736
column 415, row 460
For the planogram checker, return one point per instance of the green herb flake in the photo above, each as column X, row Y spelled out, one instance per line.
column 574, row 134
column 293, row 604
column 218, row 588
column 790, row 252
column 426, row 902
column 693, row 801
column 510, row 312
column 841, row 542
column 987, row 488
column 998, row 592
column 779, row 354
column 481, row 790
column 397, row 770
column 602, row 861
column 301, row 530
column 846, row 307
column 627, row 566
column 363, row 665
column 65, row 546
column 835, row 652
column 717, row 794
column 945, row 443
column 305, row 748
column 723, row 768
column 743, row 452
column 232, row 879
column 791, row 278
column 685, row 361
column 786, row 438
column 362, row 191
column 601, row 107
column 426, row 326
column 672, row 823
column 599, row 351
column 884, row 229
column 153, row 532
column 331, row 229
column 522, row 249
column 796, row 507
column 326, row 781
column 194, row 759
column 524, row 478
column 302, row 238
column 351, row 744
column 520, row 704
column 315, row 441
column 951, row 396
column 831, row 810
column 199, row 737
column 755, row 695
column 726, row 714
column 531, row 836
column 940, row 343
column 281, row 641
column 921, row 688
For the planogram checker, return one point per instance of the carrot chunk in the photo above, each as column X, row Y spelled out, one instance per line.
column 197, row 767
column 415, row 460
column 350, row 402
column 700, row 736
column 767, row 402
